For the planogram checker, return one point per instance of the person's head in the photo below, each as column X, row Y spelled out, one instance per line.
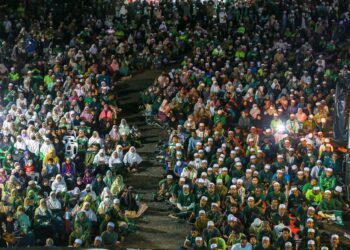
column 285, row 232
column 202, row 215
column 214, row 207
column 211, row 187
column 243, row 241
column 203, row 201
column 281, row 209
column 329, row 172
column 327, row 194
column 279, row 158
column 311, row 233
column 110, row 227
column 316, row 190
column 276, row 187
column 199, row 241
column 86, row 206
column 99, row 177
column 210, row 225
column 43, row 203
column 49, row 242
column 311, row 245
column 78, row 243
column 288, row 246
column 186, row 189
column 265, row 242
column 252, row 239
column 335, row 240
column 98, row 242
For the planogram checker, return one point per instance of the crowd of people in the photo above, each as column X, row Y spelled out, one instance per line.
column 250, row 161
column 63, row 148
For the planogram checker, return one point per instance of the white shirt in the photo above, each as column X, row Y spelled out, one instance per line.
column 238, row 246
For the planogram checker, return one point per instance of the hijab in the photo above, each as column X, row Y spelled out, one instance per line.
column 118, row 185
column 132, row 157
column 59, row 184
column 124, row 127
column 114, row 133
column 53, row 202
column 109, row 179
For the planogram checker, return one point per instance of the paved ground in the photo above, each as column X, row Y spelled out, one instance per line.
column 155, row 230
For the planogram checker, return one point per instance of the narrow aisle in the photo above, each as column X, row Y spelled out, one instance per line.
column 154, row 230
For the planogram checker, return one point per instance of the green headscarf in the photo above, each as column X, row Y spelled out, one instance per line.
column 117, row 186
column 109, row 179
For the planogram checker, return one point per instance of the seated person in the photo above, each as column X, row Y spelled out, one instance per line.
column 328, row 206
column 110, row 237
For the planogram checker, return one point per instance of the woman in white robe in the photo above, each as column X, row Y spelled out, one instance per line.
column 59, row 185
column 95, row 139
column 132, row 160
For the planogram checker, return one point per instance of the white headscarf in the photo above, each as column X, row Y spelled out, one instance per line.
column 91, row 193
column 115, row 159
column 104, row 206
column 124, row 127
column 45, row 148
column 59, row 185
column 52, row 202
column 20, row 145
column 132, row 157
column 106, row 193
column 94, row 140
column 114, row 133
column 89, row 213
column 101, row 157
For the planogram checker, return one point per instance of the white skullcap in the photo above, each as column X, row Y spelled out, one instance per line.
column 78, row 241
column 210, row 223
column 311, row 242
column 231, row 217
column 213, row 246
column 336, row 236
column 110, row 224
column 339, row 189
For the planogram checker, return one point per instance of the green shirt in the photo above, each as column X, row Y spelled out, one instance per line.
column 109, row 238
column 185, row 200
column 278, row 219
column 327, row 182
column 332, row 204
column 314, row 198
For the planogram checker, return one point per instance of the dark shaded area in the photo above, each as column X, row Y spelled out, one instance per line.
column 341, row 114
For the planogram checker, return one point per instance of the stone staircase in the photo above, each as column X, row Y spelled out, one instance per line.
column 154, row 230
